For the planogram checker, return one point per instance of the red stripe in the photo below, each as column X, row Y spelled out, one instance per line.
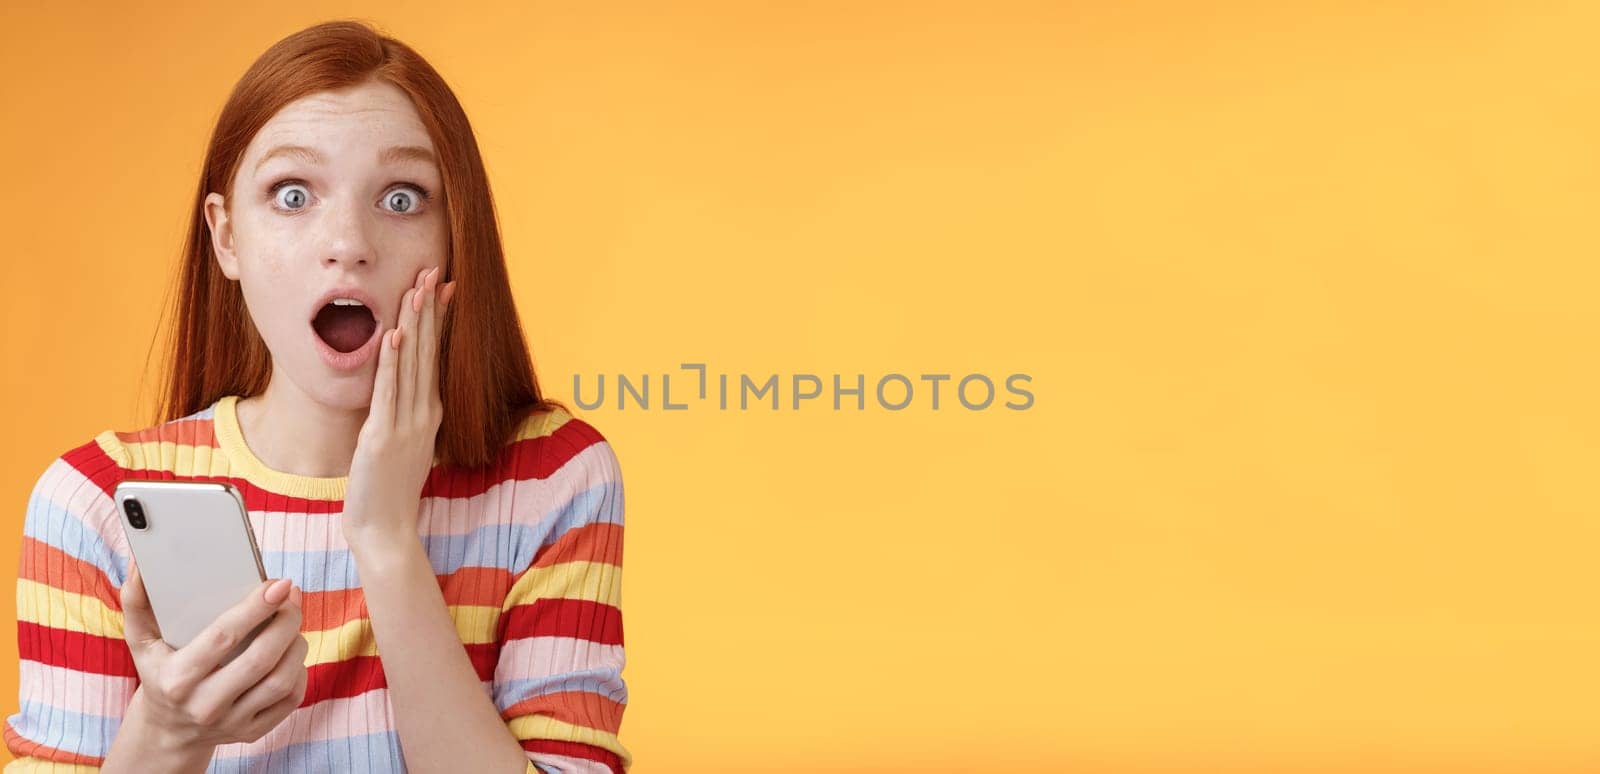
column 593, row 621
column 529, row 458
column 575, row 750
column 525, row 459
column 74, row 650
column 476, row 586
column 466, row 586
column 597, row 542
column 97, row 466
column 359, row 674
column 583, row 708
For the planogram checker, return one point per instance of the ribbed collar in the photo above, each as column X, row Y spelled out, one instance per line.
column 245, row 464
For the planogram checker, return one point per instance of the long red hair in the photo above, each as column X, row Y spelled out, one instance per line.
column 486, row 380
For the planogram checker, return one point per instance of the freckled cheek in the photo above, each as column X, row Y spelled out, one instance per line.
column 268, row 264
column 413, row 246
column 266, row 247
column 274, row 289
column 274, row 304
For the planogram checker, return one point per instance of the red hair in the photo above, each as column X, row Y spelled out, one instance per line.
column 486, row 380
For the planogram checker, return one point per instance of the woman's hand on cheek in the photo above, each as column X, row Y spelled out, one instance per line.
column 395, row 448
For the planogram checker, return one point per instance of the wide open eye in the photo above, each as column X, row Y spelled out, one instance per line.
column 404, row 199
column 290, row 195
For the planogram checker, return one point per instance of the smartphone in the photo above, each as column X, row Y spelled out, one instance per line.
column 196, row 552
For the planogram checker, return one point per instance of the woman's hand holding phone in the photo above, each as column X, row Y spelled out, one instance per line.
column 189, row 701
column 395, row 448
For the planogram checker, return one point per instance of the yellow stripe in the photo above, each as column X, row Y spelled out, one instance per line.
column 527, row 727
column 474, row 624
column 41, row 766
column 594, row 581
column 176, row 458
column 542, row 424
column 46, row 605
column 112, row 446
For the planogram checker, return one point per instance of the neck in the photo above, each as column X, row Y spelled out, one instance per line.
column 290, row 432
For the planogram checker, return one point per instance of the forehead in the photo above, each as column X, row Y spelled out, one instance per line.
column 375, row 114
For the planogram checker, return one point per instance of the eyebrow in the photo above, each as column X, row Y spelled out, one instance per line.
column 392, row 155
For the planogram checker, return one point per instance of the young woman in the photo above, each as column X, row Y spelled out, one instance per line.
column 446, row 543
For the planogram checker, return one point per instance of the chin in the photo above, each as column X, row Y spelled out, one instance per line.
column 350, row 392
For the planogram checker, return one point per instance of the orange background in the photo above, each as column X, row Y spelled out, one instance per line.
column 1306, row 293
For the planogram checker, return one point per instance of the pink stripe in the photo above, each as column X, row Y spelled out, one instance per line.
column 308, row 532
column 530, row 656
column 67, row 487
column 326, row 720
column 69, row 689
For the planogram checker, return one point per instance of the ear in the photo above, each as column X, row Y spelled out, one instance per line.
column 221, row 227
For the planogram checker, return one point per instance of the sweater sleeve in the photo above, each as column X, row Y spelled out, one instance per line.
column 558, row 679
column 76, row 674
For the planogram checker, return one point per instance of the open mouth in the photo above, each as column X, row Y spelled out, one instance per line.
column 344, row 324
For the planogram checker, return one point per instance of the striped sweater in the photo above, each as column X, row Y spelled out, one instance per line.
column 528, row 553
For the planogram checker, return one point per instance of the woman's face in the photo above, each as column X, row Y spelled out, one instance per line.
column 337, row 196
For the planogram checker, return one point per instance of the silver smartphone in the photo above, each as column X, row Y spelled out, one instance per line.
column 196, row 552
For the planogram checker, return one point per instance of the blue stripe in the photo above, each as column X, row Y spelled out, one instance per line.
column 606, row 681
column 55, row 524
column 65, row 730
column 379, row 752
column 600, row 504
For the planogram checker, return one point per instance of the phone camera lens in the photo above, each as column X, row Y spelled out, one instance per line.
column 135, row 513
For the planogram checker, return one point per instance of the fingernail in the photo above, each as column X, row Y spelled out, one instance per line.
column 446, row 292
column 277, row 591
column 395, row 342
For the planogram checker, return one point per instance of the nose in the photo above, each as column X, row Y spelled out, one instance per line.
column 344, row 238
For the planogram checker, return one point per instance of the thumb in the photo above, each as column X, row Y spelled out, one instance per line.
column 138, row 620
